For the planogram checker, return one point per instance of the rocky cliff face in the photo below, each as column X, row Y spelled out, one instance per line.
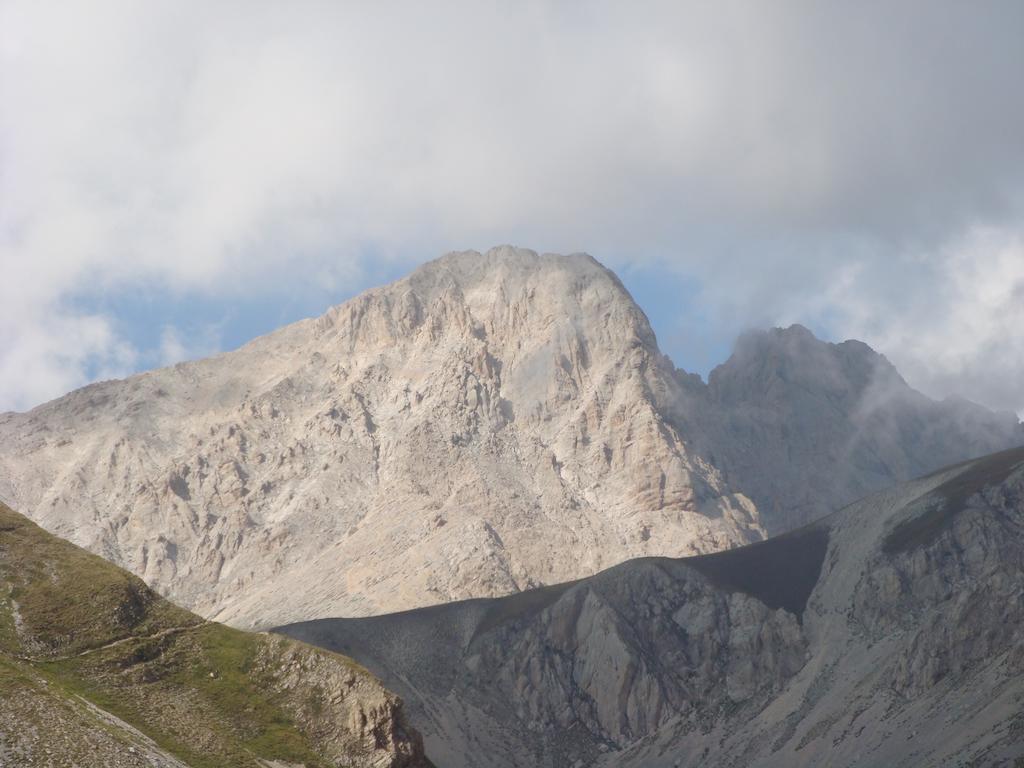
column 859, row 640
column 804, row 427
column 345, row 712
column 490, row 423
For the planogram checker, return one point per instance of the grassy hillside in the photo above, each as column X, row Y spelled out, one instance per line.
column 96, row 669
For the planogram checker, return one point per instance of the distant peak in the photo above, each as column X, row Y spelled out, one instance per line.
column 791, row 339
column 798, row 338
column 796, row 354
column 796, row 331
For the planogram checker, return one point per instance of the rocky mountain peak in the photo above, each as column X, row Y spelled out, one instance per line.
column 803, row 426
column 488, row 423
column 532, row 310
column 765, row 362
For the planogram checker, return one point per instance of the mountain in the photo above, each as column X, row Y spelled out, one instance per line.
column 888, row 633
column 488, row 424
column 804, row 427
column 96, row 669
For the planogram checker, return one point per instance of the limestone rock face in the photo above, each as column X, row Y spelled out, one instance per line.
column 804, row 427
column 345, row 712
column 888, row 633
column 621, row 658
column 489, row 423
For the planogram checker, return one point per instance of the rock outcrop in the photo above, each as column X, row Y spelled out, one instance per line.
column 889, row 633
column 340, row 708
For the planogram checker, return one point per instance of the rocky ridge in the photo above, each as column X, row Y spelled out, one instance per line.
column 858, row 641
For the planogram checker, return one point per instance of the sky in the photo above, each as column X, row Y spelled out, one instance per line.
column 177, row 178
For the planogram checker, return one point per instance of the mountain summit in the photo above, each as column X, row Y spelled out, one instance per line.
column 803, row 426
column 490, row 423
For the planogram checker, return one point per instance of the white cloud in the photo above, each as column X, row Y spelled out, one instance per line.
column 175, row 348
column 49, row 355
column 234, row 148
column 172, row 348
column 964, row 334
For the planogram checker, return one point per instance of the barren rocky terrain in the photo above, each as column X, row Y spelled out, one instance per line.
column 491, row 423
column 889, row 633
column 487, row 424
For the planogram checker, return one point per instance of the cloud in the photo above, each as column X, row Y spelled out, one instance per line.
column 175, row 348
column 963, row 335
column 799, row 160
column 48, row 355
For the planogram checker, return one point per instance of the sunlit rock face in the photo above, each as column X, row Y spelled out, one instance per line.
column 489, row 423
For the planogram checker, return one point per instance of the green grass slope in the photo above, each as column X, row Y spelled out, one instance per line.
column 96, row 669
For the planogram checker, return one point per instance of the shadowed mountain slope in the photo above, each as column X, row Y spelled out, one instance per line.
column 859, row 640
column 96, row 669
column 804, row 427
